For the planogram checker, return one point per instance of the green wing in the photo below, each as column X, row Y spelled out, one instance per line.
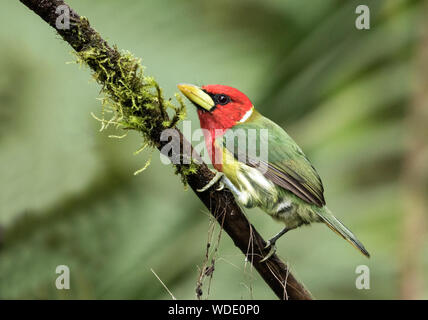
column 286, row 165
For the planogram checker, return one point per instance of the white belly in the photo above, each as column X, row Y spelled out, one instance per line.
column 252, row 189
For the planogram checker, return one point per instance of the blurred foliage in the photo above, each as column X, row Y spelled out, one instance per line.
column 67, row 192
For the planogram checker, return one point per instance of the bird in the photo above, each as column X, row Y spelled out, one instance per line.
column 283, row 183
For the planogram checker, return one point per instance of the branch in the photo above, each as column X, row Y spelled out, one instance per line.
column 137, row 107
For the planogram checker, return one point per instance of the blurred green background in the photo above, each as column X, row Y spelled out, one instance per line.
column 354, row 100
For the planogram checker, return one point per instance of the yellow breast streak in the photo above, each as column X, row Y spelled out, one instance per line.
column 231, row 167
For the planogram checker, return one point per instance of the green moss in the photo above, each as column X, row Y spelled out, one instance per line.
column 136, row 100
column 184, row 170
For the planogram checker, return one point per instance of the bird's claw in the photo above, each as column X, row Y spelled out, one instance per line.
column 220, row 186
column 271, row 251
column 213, row 181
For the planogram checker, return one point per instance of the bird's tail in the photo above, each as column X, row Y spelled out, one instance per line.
column 334, row 224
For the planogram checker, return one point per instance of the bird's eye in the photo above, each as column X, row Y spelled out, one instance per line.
column 222, row 99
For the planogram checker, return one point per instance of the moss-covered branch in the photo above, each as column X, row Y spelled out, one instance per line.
column 138, row 104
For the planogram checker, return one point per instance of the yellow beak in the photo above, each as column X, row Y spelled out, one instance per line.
column 197, row 96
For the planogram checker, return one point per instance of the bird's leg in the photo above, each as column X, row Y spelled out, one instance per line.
column 271, row 243
column 213, row 181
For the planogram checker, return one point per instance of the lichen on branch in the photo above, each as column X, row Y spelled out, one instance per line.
column 135, row 100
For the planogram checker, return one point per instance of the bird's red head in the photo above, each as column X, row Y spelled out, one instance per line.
column 219, row 107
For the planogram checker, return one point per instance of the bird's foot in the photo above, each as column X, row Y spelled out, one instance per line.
column 213, row 181
column 270, row 244
column 220, row 186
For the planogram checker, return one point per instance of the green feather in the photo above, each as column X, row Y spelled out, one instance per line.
column 286, row 164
